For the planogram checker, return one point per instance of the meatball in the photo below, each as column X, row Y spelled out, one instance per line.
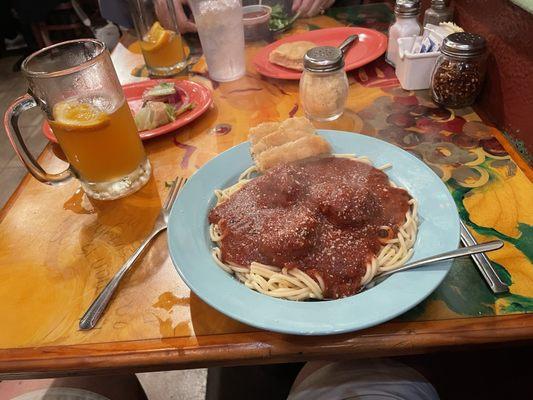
column 347, row 205
column 282, row 191
column 288, row 235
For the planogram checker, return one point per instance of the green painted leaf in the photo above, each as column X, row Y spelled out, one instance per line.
column 517, row 304
column 463, row 291
column 525, row 241
column 504, row 275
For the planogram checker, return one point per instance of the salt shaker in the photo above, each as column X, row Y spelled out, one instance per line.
column 459, row 71
column 438, row 12
column 323, row 85
column 406, row 24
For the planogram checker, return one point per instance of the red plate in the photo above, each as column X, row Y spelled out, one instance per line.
column 197, row 93
column 370, row 46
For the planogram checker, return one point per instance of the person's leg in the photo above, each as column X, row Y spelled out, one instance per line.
column 111, row 387
column 258, row 382
column 377, row 379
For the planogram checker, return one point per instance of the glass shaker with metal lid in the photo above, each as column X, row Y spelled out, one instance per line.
column 405, row 25
column 458, row 74
column 438, row 12
column 323, row 85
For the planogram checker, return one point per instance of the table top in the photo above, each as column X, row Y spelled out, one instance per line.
column 58, row 248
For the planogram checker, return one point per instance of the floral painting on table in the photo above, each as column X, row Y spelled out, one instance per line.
column 493, row 195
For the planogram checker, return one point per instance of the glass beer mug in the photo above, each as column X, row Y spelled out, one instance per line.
column 75, row 85
column 161, row 43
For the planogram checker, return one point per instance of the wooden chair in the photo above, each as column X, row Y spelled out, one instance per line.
column 62, row 24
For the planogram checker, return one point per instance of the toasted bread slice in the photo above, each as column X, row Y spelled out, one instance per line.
column 261, row 130
column 307, row 146
column 291, row 55
column 278, row 138
column 298, row 123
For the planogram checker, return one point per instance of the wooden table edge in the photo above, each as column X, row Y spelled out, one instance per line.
column 261, row 347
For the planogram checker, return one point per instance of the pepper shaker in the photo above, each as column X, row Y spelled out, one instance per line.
column 324, row 84
column 438, row 12
column 459, row 71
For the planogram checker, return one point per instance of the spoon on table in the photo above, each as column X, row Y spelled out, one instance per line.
column 460, row 252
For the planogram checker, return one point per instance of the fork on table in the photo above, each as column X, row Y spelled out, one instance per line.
column 97, row 308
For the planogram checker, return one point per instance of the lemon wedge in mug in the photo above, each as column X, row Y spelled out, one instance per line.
column 156, row 37
column 73, row 116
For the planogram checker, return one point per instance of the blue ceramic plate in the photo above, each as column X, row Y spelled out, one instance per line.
column 189, row 244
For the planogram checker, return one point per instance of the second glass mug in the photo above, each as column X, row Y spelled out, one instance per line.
column 76, row 86
column 160, row 41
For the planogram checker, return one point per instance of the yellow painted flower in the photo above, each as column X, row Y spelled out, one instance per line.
column 502, row 203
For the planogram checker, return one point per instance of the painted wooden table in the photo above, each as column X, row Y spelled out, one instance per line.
column 58, row 248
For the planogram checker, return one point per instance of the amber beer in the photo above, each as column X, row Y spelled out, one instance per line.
column 162, row 49
column 78, row 90
column 157, row 29
column 100, row 144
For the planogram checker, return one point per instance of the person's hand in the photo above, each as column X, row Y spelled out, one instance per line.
column 310, row 8
column 184, row 24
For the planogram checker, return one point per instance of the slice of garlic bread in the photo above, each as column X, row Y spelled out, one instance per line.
column 304, row 147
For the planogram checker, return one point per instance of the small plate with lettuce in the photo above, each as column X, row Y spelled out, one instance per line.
column 161, row 106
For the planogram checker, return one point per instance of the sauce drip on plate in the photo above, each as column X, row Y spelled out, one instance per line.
column 320, row 215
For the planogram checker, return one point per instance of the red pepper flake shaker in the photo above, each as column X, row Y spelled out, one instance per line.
column 459, row 72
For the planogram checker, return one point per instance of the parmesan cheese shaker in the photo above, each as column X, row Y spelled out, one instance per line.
column 406, row 24
column 323, row 85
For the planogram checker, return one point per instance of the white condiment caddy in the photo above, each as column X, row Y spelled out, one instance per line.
column 416, row 55
column 414, row 69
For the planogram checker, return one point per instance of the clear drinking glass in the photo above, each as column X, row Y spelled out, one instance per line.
column 75, row 85
column 221, row 32
column 161, row 43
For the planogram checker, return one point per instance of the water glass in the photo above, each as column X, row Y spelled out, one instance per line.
column 76, row 86
column 221, row 32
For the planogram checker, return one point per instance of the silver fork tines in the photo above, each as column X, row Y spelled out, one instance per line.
column 176, row 186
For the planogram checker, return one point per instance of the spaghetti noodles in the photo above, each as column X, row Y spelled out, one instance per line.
column 396, row 247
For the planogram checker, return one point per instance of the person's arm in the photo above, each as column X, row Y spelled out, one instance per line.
column 184, row 24
column 116, row 11
column 310, row 8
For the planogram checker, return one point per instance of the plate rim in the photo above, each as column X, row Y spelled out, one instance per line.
column 442, row 268
column 295, row 75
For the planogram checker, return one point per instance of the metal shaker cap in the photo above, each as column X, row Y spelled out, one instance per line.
column 463, row 45
column 438, row 4
column 407, row 8
column 323, row 59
